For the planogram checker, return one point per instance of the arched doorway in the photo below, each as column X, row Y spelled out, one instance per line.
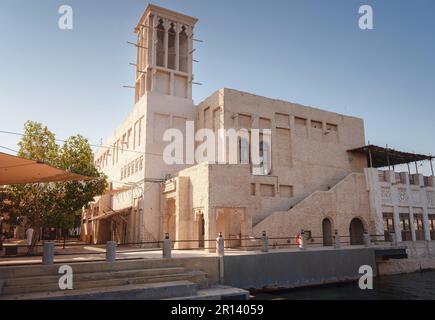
column 356, row 231
column 327, row 232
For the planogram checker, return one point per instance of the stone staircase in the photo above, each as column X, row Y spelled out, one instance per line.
column 283, row 221
column 294, row 202
column 138, row 279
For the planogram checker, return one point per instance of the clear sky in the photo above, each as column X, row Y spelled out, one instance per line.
column 309, row 52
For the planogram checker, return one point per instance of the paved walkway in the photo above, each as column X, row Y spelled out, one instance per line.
column 85, row 252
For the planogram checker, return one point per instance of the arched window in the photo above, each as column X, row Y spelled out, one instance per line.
column 160, row 44
column 183, row 47
column 171, row 47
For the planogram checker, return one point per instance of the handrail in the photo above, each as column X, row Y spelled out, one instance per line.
column 274, row 242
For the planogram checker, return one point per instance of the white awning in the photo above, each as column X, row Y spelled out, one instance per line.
column 112, row 213
column 16, row 170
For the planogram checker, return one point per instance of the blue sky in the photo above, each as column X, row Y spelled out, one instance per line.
column 309, row 52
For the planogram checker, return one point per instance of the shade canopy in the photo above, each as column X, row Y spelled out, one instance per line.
column 379, row 157
column 113, row 213
column 16, row 170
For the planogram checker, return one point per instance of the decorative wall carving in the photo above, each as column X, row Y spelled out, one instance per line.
column 403, row 195
column 386, row 194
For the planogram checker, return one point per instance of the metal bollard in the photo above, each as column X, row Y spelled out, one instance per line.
column 48, row 254
column 337, row 243
column 264, row 242
column 367, row 240
column 303, row 243
column 110, row 251
column 220, row 245
column 167, row 247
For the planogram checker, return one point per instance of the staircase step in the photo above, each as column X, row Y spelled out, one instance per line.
column 135, row 273
column 83, row 267
column 216, row 293
column 194, row 276
column 149, row 291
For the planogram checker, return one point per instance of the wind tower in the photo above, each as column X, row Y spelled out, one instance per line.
column 163, row 100
column 164, row 53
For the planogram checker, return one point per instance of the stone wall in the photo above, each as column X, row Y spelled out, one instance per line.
column 421, row 256
column 308, row 151
column 392, row 194
column 343, row 202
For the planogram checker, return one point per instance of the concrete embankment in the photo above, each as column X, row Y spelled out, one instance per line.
column 246, row 270
column 421, row 257
column 210, row 276
column 275, row 270
column 405, row 266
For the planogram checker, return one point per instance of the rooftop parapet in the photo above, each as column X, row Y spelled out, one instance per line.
column 405, row 178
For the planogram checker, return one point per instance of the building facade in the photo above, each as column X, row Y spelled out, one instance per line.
column 307, row 177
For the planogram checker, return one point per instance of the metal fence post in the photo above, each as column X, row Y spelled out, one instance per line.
column 303, row 243
column 264, row 242
column 220, row 245
column 367, row 240
column 220, row 250
column 48, row 253
column 337, row 243
column 110, row 251
column 167, row 247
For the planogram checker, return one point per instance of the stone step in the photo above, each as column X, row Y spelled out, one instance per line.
column 84, row 267
column 216, row 293
column 148, row 291
column 198, row 277
column 134, row 273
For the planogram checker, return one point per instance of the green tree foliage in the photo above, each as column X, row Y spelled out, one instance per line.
column 55, row 204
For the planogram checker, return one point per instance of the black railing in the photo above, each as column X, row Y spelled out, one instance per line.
column 243, row 243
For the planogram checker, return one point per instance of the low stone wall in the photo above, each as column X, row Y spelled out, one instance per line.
column 420, row 249
column 404, row 266
column 421, row 257
column 275, row 270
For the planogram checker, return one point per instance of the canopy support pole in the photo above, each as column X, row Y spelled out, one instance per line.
column 388, row 157
column 431, row 166
column 370, row 157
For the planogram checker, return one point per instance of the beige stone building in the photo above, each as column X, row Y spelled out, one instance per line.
column 315, row 173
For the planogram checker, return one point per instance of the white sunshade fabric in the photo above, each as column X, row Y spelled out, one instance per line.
column 112, row 213
column 16, row 170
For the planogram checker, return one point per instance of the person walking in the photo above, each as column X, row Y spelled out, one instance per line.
column 29, row 238
column 2, row 239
